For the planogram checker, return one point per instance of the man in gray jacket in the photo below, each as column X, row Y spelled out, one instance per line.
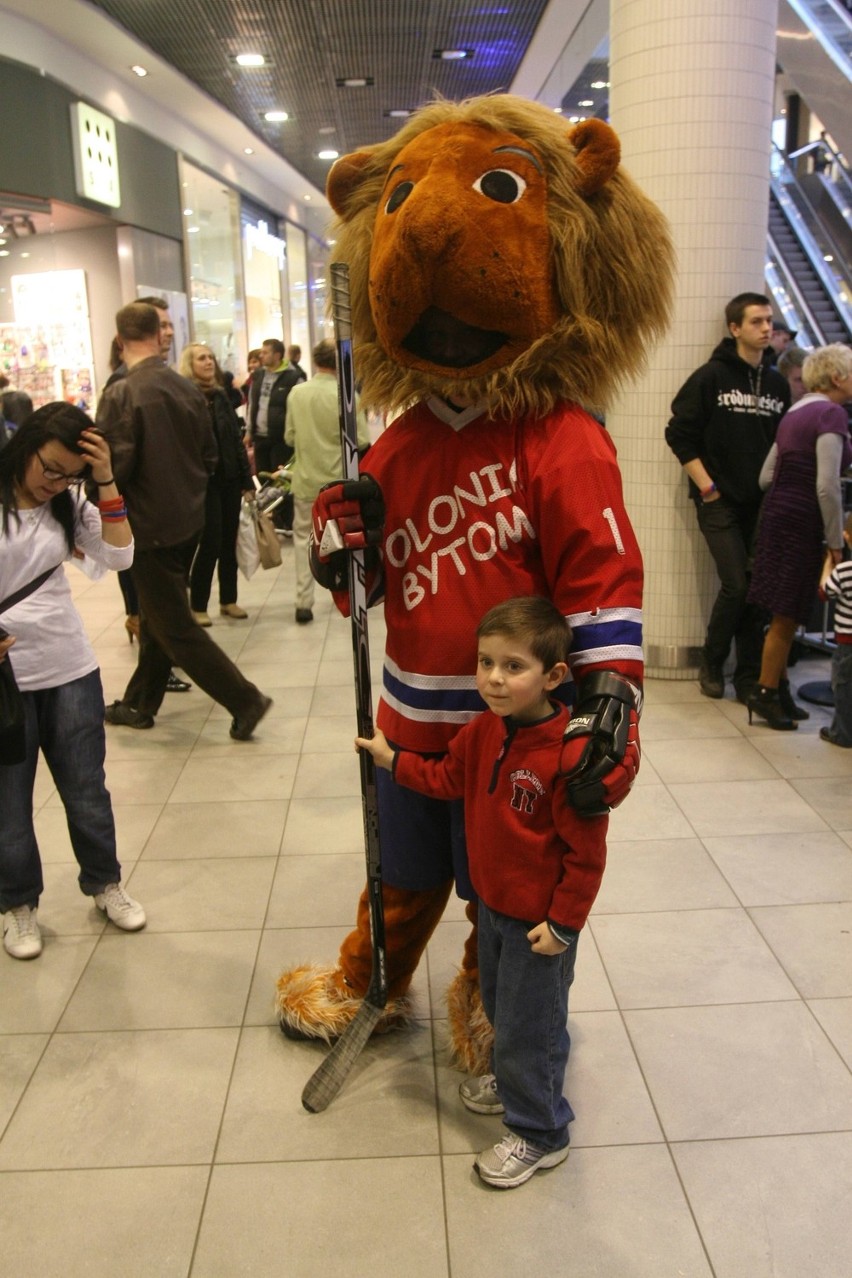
column 163, row 452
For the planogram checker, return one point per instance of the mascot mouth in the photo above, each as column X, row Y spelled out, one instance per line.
column 441, row 339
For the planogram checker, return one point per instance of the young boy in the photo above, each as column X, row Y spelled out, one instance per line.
column 836, row 583
column 536, row 867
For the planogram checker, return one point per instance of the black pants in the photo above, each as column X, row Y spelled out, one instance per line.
column 729, row 532
column 170, row 637
column 218, row 544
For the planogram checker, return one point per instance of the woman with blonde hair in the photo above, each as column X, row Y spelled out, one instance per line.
column 802, row 511
column 230, row 480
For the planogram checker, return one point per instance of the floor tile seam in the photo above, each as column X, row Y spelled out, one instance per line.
column 731, row 1002
column 780, row 960
column 51, row 1034
column 436, row 1048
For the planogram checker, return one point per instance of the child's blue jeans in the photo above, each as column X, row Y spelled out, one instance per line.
column 841, row 685
column 525, row 997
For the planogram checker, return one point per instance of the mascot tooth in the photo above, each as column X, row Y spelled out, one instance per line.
column 506, row 277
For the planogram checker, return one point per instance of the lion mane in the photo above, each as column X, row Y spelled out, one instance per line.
column 610, row 268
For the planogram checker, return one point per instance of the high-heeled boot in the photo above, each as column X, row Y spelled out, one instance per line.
column 766, row 704
column 131, row 625
column 788, row 705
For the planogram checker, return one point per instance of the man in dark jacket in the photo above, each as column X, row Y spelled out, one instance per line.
column 270, row 386
column 163, row 452
column 723, row 424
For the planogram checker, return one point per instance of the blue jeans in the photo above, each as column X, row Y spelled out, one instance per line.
column 525, row 996
column 841, row 686
column 67, row 724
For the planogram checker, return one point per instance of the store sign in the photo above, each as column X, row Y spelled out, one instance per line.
column 95, row 155
column 258, row 238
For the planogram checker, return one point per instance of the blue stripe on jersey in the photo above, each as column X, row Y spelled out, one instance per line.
column 435, row 696
column 618, row 629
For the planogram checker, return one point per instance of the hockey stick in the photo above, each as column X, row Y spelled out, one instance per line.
column 324, row 1084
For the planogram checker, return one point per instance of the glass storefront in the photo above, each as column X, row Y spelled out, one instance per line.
column 211, row 224
column 264, row 256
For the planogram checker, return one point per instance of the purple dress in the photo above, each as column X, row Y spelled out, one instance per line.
column 789, row 550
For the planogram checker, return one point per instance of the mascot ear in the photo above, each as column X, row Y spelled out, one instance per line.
column 597, row 153
column 345, row 177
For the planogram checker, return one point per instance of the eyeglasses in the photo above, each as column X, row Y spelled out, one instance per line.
column 54, row 476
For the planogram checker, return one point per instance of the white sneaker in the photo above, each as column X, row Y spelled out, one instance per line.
column 480, row 1095
column 21, row 937
column 120, row 908
column 514, row 1160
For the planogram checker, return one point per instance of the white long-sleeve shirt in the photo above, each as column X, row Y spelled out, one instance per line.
column 51, row 644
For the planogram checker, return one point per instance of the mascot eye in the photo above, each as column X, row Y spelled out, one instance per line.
column 399, row 196
column 501, row 185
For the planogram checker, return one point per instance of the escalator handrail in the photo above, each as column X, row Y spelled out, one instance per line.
column 808, row 241
column 801, row 305
column 825, row 37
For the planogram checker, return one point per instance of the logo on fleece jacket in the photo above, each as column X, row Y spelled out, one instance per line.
column 527, row 789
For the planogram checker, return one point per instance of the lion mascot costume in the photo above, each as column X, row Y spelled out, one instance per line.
column 506, row 278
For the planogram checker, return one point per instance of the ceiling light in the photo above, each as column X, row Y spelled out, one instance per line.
column 558, row 110
column 586, row 102
column 399, row 113
column 327, row 129
column 137, row 70
column 275, row 117
column 187, row 212
column 250, row 60
column 308, row 198
column 452, row 55
column 354, row 81
column 327, row 155
column 192, row 230
column 4, row 252
column 248, row 150
column 599, row 84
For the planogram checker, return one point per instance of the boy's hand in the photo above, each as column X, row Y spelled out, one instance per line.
column 378, row 747
column 542, row 941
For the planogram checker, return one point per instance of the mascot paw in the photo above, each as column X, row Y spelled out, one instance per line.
column 471, row 1035
column 315, row 1002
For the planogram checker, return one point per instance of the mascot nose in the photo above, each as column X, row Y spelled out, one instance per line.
column 429, row 226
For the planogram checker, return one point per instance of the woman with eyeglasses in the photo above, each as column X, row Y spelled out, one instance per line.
column 45, row 520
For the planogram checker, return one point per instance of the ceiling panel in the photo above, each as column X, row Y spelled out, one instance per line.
column 392, row 42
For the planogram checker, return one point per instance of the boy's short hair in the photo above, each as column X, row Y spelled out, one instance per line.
column 536, row 621
column 736, row 308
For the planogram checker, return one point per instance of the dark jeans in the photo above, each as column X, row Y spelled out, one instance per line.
column 262, row 454
column 525, row 997
column 729, row 532
column 169, row 636
column 218, row 543
column 67, row 724
column 841, row 686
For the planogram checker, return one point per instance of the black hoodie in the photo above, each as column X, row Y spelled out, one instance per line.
column 727, row 414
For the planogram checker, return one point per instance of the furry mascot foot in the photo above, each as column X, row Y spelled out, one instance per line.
column 315, row 1002
column 470, row 1033
column 320, row 1002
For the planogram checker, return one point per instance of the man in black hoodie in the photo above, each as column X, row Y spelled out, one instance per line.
column 723, row 424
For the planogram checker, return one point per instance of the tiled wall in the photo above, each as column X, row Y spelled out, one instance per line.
column 691, row 99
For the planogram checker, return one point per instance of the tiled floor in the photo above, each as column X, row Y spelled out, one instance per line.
column 149, row 1106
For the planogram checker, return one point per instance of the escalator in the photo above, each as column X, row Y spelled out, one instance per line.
column 814, row 48
column 809, row 257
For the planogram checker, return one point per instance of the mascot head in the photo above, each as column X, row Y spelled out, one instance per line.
column 496, row 254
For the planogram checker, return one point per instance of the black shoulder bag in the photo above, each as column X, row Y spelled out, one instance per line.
column 12, row 720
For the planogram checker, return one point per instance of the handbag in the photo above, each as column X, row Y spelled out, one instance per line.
column 13, row 748
column 248, row 558
column 267, row 541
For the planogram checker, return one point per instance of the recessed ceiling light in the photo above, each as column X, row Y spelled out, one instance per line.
column 599, row 84
column 399, row 113
column 452, row 55
column 308, row 198
column 187, row 212
column 4, row 252
column 327, row 155
column 586, row 102
column 192, row 230
column 558, row 110
column 250, row 60
column 248, row 150
column 327, row 129
column 137, row 70
column 354, row 81
column 275, row 117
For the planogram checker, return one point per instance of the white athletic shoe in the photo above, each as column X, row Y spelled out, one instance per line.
column 21, row 937
column 514, row 1160
column 120, row 908
column 480, row 1095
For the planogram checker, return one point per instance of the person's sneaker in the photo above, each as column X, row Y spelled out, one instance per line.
column 174, row 684
column 21, row 937
column 480, row 1095
column 711, row 680
column 514, row 1160
column 202, row 619
column 242, row 729
column 303, row 616
column 120, row 908
column 126, row 717
column 233, row 610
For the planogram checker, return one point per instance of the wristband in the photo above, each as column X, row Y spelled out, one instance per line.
column 111, row 503
column 705, row 492
column 104, row 483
